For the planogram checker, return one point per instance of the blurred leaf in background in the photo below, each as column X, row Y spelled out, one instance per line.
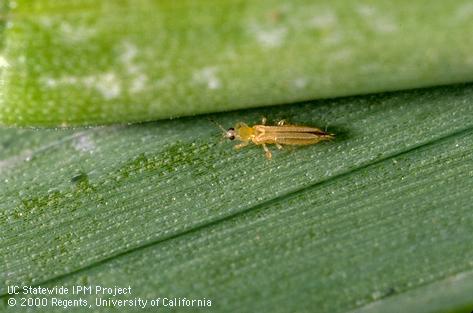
column 82, row 62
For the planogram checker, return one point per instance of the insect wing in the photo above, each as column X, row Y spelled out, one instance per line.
column 290, row 129
column 289, row 138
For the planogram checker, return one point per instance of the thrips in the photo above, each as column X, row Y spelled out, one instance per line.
column 279, row 134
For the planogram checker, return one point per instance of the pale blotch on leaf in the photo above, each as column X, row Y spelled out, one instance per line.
column 138, row 84
column 3, row 62
column 378, row 20
column 269, row 37
column 127, row 57
column 272, row 38
column 300, row 83
column 208, row 77
column 107, row 84
column 464, row 12
column 75, row 33
column 365, row 10
column 385, row 25
column 323, row 20
column 83, row 143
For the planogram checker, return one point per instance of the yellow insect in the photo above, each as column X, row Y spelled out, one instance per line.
column 280, row 134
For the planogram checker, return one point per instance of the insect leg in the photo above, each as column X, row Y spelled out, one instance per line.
column 279, row 146
column 263, row 120
column 267, row 153
column 281, row 122
column 241, row 145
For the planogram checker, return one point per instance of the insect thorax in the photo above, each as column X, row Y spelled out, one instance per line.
column 245, row 132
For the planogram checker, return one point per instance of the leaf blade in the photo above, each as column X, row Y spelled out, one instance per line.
column 306, row 205
column 85, row 63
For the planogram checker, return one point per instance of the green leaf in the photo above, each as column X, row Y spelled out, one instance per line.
column 368, row 221
column 80, row 62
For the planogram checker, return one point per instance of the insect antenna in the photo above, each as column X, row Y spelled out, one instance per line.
column 224, row 131
column 218, row 125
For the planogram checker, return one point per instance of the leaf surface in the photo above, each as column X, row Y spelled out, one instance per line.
column 383, row 212
column 83, row 62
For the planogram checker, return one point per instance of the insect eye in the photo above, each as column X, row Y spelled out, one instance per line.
column 230, row 133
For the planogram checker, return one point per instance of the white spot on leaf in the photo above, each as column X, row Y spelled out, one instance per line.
column 269, row 38
column 464, row 12
column 107, row 84
column 138, row 83
column 3, row 62
column 384, row 24
column 365, row 10
column 207, row 76
column 323, row 20
column 127, row 57
column 379, row 21
column 300, row 83
column 75, row 33
column 84, row 143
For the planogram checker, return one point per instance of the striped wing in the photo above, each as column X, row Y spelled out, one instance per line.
column 288, row 138
column 289, row 129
